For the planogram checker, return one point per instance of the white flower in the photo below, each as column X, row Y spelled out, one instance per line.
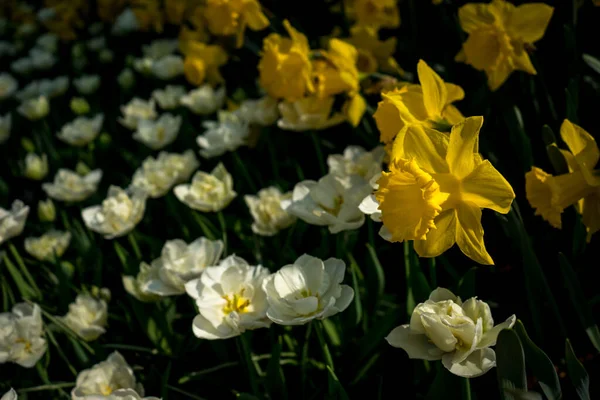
column 357, row 161
column 169, row 97
column 370, row 206
column 81, row 130
column 118, row 214
column 459, row 334
column 72, row 187
column 269, row 217
column 332, row 201
column 180, row 263
column 143, row 65
column 21, row 335
column 48, row 42
column 307, row 289
column 126, row 78
column 34, row 109
column 5, row 125
column 134, row 284
column 8, row 85
column 22, row 66
column 44, row 87
column 120, row 394
column 105, row 378
column 87, row 84
column 308, row 113
column 87, row 317
column 158, row 175
column 204, row 100
column 36, row 167
column 168, row 67
column 261, row 112
column 10, row 395
column 208, row 192
column 227, row 134
column 96, row 43
column 12, row 221
column 126, row 22
column 51, row 244
column 137, row 110
column 41, row 59
column 230, row 299
column 160, row 48
column 157, row 134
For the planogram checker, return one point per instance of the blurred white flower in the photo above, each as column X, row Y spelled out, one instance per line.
column 205, row 100
column 134, row 284
column 226, row 134
column 72, row 187
column 357, row 161
column 158, row 175
column 308, row 113
column 41, row 59
column 8, row 85
column 208, row 192
column 118, row 214
column 87, row 84
column 48, row 42
column 160, row 48
column 51, row 244
column 5, row 125
column 168, row 67
column 332, row 201
column 87, row 317
column 44, row 87
column 105, row 378
column 261, row 112
column 46, row 210
column 307, row 289
column 96, row 43
column 36, row 167
column 230, row 299
column 22, row 66
column 137, row 110
column 12, row 221
column 157, row 134
column 21, row 335
column 119, row 394
column 125, row 23
column 180, row 263
column 10, row 395
column 269, row 217
column 143, row 65
column 34, row 109
column 169, row 97
column 460, row 334
column 81, row 130
column 126, row 78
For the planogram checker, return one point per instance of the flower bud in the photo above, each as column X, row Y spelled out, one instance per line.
column 79, row 105
column 46, row 210
column 36, row 167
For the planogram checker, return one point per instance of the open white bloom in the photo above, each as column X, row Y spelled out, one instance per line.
column 120, row 394
column 205, row 100
column 118, row 214
column 36, row 167
column 125, row 23
column 370, row 206
column 269, row 217
column 5, row 125
column 230, row 299
column 168, row 67
column 70, row 186
column 34, row 109
column 10, row 395
column 81, row 130
column 137, row 110
column 460, row 334
column 50, row 244
column 157, row 134
column 48, row 42
column 169, row 97
column 332, row 201
column 160, row 48
column 158, row 175
column 41, row 59
column 87, row 317
column 357, row 161
column 87, row 84
column 307, row 289
column 226, row 134
column 12, row 221
column 8, row 85
column 261, row 112
column 44, row 87
column 105, row 378
column 208, row 192
column 134, row 285
column 308, row 114
column 21, row 335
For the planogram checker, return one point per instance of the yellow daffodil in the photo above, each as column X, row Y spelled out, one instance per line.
column 202, row 62
column 428, row 104
column 550, row 195
column 378, row 13
column 372, row 52
column 436, row 188
column 500, row 35
column 334, row 71
column 230, row 17
column 285, row 68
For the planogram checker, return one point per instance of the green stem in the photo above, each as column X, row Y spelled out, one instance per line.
column 466, row 389
column 223, row 225
column 319, row 151
column 245, row 353
column 324, row 345
column 24, row 269
column 134, row 245
column 245, row 172
column 432, row 273
column 304, row 359
column 24, row 289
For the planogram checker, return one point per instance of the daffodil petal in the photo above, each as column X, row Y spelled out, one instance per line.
column 487, row 188
column 464, row 139
column 529, row 21
column 434, row 89
column 469, row 233
column 439, row 239
column 473, row 16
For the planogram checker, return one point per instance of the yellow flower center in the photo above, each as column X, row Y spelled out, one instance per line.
column 236, row 303
column 26, row 342
column 338, row 201
column 105, row 389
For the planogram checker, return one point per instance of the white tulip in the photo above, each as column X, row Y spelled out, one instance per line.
column 204, row 100
column 21, row 335
column 34, row 109
column 10, row 395
column 169, row 97
column 357, row 161
column 460, row 334
column 168, row 67
column 72, row 187
column 226, row 134
column 41, row 59
column 269, row 217
column 118, row 214
column 44, row 87
column 157, row 134
column 137, row 110
column 307, row 114
column 230, row 299
column 134, row 284
column 261, row 112
column 22, row 66
column 125, row 23
column 51, row 244
column 105, row 378
column 208, row 192
column 370, row 206
column 12, row 221
column 158, row 175
column 87, row 84
column 332, row 201
column 8, row 85
column 81, row 130
column 120, row 394
column 160, row 48
column 5, row 125
column 36, row 167
column 87, row 317
column 307, row 289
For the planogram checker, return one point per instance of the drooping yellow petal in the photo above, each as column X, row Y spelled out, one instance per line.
column 474, row 16
column 482, row 50
column 455, row 92
column 584, row 148
column 435, row 94
column 464, row 139
column 522, row 61
column 499, row 75
column 452, row 115
column 529, row 21
column 254, row 16
column 355, row 108
column 441, row 238
column 427, row 146
column 487, row 188
column 469, row 234
column 539, row 195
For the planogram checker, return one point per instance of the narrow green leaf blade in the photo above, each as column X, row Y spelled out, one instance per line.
column 577, row 373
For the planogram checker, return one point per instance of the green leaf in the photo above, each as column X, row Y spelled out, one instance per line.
column 275, row 381
column 357, row 302
column 592, row 62
column 418, row 289
column 518, row 138
column 510, row 362
column 378, row 270
column 336, row 390
column 466, row 286
column 445, row 386
column 374, row 337
column 577, row 373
